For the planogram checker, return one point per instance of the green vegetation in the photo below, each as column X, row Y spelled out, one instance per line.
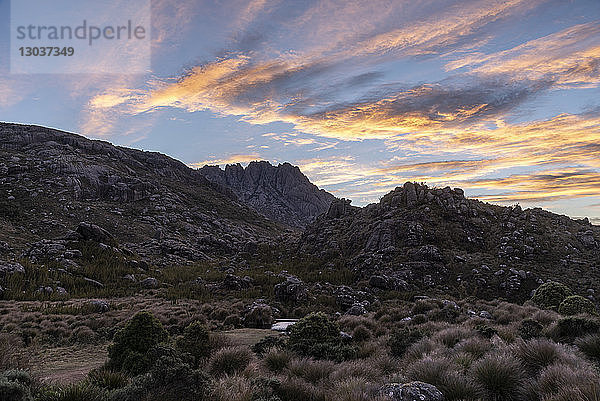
column 576, row 304
column 549, row 295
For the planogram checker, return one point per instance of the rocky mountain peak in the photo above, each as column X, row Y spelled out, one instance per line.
column 282, row 193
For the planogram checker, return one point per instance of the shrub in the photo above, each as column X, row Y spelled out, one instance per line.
column 170, row 379
column 132, row 343
column 500, row 377
column 590, row 346
column 318, row 337
column 229, row 360
column 486, row 331
column 402, row 339
column 529, row 328
column 15, row 386
column 576, row 304
column 268, row 343
column 549, row 295
column 569, row 328
column 195, row 341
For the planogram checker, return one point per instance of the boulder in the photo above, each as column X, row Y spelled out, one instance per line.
column 413, row 391
column 149, row 282
column 10, row 268
column 99, row 306
column 236, row 283
column 291, row 290
column 93, row 232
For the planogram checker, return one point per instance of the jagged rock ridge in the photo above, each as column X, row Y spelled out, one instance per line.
column 421, row 238
column 281, row 193
column 50, row 181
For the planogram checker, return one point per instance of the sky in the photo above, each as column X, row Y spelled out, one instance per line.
column 500, row 98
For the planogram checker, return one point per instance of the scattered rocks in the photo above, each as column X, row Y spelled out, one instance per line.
column 11, row 268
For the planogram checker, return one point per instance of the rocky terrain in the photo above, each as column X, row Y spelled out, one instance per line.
column 126, row 275
column 418, row 238
column 281, row 193
column 50, row 181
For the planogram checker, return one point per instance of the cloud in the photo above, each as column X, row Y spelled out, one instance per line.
column 571, row 56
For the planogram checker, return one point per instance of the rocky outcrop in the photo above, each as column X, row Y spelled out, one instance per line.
column 421, row 238
column 281, row 193
column 52, row 181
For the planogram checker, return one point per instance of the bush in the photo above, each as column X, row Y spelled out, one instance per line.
column 569, row 328
column 195, row 341
column 170, row 379
column 229, row 360
column 268, row 343
column 402, row 339
column 500, row 377
column 318, row 337
column 549, row 295
column 14, row 386
column 576, row 304
column 486, row 331
column 132, row 343
column 529, row 328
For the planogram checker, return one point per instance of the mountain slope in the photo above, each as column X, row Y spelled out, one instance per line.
column 281, row 193
column 50, row 181
column 420, row 237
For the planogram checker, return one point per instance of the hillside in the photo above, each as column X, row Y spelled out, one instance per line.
column 418, row 238
column 50, row 181
column 281, row 193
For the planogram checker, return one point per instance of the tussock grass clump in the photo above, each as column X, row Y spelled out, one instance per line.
column 296, row 389
column 229, row 360
column 232, row 388
column 276, row 360
column 310, row 370
column 499, row 377
column 107, row 379
column 590, row 346
column 537, row 354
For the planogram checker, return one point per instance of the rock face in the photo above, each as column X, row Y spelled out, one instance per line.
column 51, row 181
column 419, row 238
column 281, row 193
column 413, row 391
